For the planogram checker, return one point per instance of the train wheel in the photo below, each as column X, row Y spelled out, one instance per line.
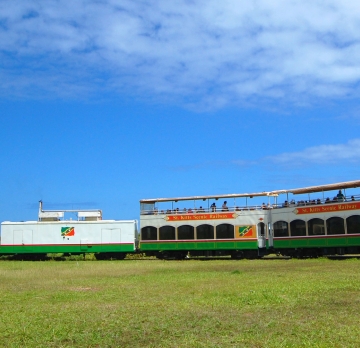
column 100, row 256
column 237, row 254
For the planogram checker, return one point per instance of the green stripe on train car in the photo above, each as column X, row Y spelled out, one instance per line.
column 317, row 242
column 354, row 241
column 87, row 248
column 197, row 245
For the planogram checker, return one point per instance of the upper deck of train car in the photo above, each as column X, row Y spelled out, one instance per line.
column 298, row 197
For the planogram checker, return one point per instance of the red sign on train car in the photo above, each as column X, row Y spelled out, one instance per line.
column 209, row 216
column 328, row 208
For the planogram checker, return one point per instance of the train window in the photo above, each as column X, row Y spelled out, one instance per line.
column 335, row 225
column 353, row 224
column 316, row 227
column 281, row 229
column 205, row 232
column 147, row 208
column 149, row 233
column 167, row 233
column 224, row 231
column 186, row 232
column 297, row 228
column 261, row 229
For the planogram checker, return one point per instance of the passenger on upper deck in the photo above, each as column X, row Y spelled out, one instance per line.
column 327, row 200
column 225, row 207
column 213, row 207
column 318, row 201
column 352, row 198
column 201, row 210
column 263, row 206
column 340, row 197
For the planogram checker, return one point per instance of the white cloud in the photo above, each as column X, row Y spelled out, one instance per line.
column 199, row 51
column 322, row 155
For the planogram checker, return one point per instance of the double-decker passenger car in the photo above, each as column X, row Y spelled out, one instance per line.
column 316, row 225
column 204, row 229
column 327, row 223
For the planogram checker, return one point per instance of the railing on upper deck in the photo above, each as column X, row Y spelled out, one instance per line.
column 263, row 206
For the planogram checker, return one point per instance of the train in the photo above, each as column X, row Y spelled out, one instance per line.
column 303, row 222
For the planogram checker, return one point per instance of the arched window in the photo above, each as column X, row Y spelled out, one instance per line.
column 297, row 228
column 149, row 233
column 281, row 229
column 316, row 227
column 186, row 232
column 335, row 225
column 205, row 232
column 224, row 231
column 167, row 233
column 353, row 224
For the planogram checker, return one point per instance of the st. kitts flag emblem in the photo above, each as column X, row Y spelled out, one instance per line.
column 67, row 231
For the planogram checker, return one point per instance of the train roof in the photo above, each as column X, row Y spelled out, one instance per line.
column 309, row 189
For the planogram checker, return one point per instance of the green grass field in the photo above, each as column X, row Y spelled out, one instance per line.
column 191, row 303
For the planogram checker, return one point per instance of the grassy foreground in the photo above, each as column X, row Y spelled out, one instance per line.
column 151, row 303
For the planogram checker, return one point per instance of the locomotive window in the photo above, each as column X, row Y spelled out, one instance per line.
column 316, row 227
column 224, row 231
column 281, row 229
column 297, row 228
column 186, row 232
column 167, row 233
column 149, row 233
column 335, row 225
column 205, row 232
column 353, row 224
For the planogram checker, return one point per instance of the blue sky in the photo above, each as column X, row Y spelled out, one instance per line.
column 104, row 103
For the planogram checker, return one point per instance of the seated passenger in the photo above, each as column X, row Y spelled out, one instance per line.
column 237, row 209
column 352, row 198
column 225, row 207
column 189, row 211
column 201, row 209
column 318, row 201
column 264, row 206
column 185, row 211
column 327, row 200
column 286, row 204
column 213, row 207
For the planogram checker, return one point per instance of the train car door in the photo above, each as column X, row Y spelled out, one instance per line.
column 110, row 236
column 261, row 233
column 23, row 239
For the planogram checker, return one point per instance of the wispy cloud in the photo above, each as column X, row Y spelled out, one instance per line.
column 197, row 52
column 323, row 154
